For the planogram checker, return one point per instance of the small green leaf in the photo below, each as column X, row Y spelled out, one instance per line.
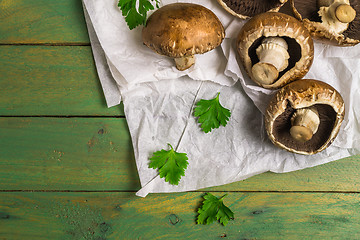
column 134, row 19
column 136, row 16
column 125, row 6
column 213, row 209
column 170, row 164
column 211, row 114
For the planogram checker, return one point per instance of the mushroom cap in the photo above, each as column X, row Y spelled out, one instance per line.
column 300, row 45
column 301, row 94
column 182, row 29
column 244, row 9
column 307, row 11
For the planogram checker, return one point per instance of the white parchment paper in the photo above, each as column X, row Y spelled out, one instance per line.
column 159, row 100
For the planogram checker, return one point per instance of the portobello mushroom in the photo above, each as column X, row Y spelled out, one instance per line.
column 275, row 49
column 335, row 22
column 181, row 30
column 304, row 116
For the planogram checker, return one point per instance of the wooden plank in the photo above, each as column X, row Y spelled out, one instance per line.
column 66, row 154
column 42, row 21
column 340, row 175
column 44, row 80
column 96, row 154
column 49, row 215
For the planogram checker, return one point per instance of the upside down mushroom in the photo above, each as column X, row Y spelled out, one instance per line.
column 244, row 9
column 275, row 49
column 181, row 30
column 304, row 116
column 336, row 14
column 332, row 21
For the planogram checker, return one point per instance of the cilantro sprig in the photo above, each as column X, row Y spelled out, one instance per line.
column 170, row 164
column 211, row 114
column 135, row 11
column 213, row 209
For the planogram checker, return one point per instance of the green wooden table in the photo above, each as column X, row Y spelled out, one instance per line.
column 67, row 169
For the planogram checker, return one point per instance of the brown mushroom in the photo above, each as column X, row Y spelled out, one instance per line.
column 331, row 21
column 244, row 9
column 275, row 49
column 304, row 116
column 181, row 30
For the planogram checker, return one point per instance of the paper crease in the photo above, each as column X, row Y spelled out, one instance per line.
column 158, row 103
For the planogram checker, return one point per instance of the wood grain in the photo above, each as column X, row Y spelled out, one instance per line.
column 95, row 154
column 66, row 154
column 42, row 21
column 75, row 159
column 45, row 80
column 173, row 216
column 341, row 175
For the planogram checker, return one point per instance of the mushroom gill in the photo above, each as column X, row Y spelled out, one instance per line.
column 275, row 49
column 304, row 116
column 282, row 129
column 249, row 8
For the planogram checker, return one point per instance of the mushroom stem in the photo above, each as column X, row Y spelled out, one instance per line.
column 183, row 63
column 345, row 13
column 337, row 10
column 305, row 123
column 273, row 58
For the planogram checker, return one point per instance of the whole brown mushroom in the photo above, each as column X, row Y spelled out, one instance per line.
column 334, row 22
column 275, row 49
column 181, row 30
column 244, row 9
column 304, row 116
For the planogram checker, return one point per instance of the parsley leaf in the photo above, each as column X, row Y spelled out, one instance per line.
column 211, row 114
column 170, row 164
column 213, row 209
column 136, row 16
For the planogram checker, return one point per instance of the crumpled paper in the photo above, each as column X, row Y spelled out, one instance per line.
column 159, row 100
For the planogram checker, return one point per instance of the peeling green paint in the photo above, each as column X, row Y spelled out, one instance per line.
column 81, row 222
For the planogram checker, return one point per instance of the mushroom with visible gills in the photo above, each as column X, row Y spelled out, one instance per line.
column 304, row 116
column 181, row 30
column 336, row 14
column 335, row 22
column 275, row 49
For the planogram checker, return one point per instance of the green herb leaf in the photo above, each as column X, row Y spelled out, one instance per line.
column 211, row 114
column 213, row 209
column 170, row 164
column 136, row 16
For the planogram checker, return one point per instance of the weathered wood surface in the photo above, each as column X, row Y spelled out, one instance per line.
column 96, row 154
column 42, row 21
column 51, row 80
column 78, row 168
column 66, row 154
column 45, row 215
